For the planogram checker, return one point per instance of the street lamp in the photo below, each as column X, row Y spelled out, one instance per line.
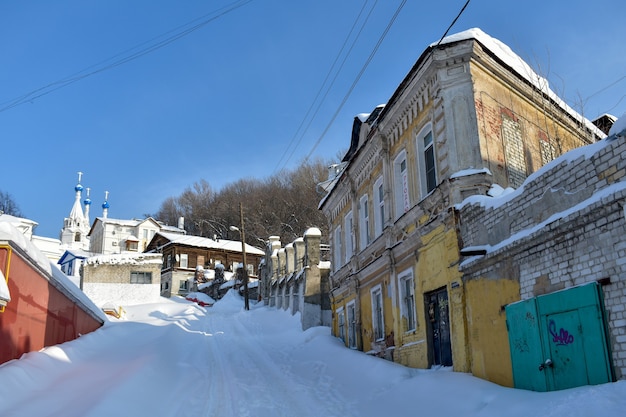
column 242, row 235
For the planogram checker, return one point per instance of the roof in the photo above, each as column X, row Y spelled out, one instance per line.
column 500, row 52
column 203, row 242
column 71, row 254
column 135, row 223
column 54, row 275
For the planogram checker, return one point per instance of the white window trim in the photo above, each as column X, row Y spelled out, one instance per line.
column 364, row 222
column 379, row 208
column 352, row 344
column 341, row 313
column 402, row 199
column 378, row 290
column 407, row 275
column 348, row 236
column 419, row 144
column 184, row 260
column 337, row 248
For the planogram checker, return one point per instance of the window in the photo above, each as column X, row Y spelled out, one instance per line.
column 364, row 222
column 183, row 286
column 401, row 185
column 184, row 260
column 132, row 245
column 407, row 300
column 513, row 149
column 351, row 325
column 377, row 313
column 337, row 249
column 349, row 240
column 341, row 324
column 141, row 277
column 429, row 163
column 379, row 208
column 548, row 151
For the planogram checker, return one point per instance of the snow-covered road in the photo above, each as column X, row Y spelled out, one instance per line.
column 176, row 358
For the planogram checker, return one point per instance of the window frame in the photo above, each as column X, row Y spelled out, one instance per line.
column 378, row 313
column 408, row 309
column 364, row 224
column 425, row 187
column 351, row 307
column 379, row 207
column 402, row 198
column 341, row 324
column 185, row 257
column 140, row 277
column 338, row 259
column 348, row 236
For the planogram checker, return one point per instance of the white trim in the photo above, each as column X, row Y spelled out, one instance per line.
column 402, row 199
column 379, row 207
column 375, row 325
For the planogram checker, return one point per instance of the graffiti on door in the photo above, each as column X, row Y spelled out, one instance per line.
column 562, row 337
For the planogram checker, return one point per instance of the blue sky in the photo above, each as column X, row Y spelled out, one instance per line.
column 226, row 100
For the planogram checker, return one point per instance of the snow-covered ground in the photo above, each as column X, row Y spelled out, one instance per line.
column 176, row 358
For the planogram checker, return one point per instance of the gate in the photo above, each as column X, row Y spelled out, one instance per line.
column 559, row 340
column 439, row 329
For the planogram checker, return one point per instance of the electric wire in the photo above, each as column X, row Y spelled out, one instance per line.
column 332, row 83
column 80, row 75
column 319, row 91
column 356, row 80
column 453, row 22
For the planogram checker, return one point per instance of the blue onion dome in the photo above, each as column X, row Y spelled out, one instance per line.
column 78, row 187
column 105, row 205
column 87, row 201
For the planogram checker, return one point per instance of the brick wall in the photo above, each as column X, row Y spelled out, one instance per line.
column 565, row 227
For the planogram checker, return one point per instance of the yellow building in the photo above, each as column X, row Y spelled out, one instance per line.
column 469, row 114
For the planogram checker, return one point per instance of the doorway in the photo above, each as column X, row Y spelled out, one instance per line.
column 438, row 316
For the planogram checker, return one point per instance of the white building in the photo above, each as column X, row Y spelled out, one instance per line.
column 108, row 236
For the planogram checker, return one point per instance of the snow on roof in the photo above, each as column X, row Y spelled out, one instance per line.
column 126, row 258
column 491, row 202
column 595, row 198
column 9, row 233
column 469, row 172
column 203, row 242
column 618, row 126
column 510, row 58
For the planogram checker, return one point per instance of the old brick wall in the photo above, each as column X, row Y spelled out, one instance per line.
column 565, row 227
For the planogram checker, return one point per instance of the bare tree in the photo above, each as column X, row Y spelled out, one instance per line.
column 8, row 205
column 284, row 205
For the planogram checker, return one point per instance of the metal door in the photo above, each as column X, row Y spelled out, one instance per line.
column 439, row 317
column 525, row 344
column 559, row 340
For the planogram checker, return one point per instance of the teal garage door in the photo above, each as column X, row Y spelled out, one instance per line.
column 559, row 340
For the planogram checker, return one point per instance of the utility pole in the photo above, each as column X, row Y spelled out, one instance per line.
column 242, row 235
column 246, row 296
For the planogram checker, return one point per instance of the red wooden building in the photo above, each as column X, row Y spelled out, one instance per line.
column 39, row 305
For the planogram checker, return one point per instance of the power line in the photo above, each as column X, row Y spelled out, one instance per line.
column 380, row 40
column 453, row 22
column 64, row 82
column 328, row 88
column 356, row 80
